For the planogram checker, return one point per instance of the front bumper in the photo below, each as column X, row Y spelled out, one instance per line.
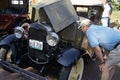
column 28, row 74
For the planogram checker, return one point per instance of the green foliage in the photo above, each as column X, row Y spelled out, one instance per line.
column 116, row 6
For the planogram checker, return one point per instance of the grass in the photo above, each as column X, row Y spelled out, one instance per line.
column 115, row 19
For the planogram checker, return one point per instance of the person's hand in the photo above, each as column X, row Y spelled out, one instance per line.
column 101, row 66
column 105, row 57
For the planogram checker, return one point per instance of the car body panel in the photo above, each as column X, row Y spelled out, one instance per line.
column 69, row 57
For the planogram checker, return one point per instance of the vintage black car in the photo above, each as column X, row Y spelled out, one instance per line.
column 53, row 46
column 13, row 13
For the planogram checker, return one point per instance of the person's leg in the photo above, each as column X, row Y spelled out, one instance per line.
column 113, row 59
column 112, row 71
column 107, row 72
column 104, row 21
column 108, row 22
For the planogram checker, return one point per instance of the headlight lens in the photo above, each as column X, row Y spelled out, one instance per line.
column 52, row 39
column 19, row 31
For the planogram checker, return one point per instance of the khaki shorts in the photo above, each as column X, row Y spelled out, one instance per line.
column 114, row 56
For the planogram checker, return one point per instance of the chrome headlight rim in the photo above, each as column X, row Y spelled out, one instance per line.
column 19, row 32
column 52, row 39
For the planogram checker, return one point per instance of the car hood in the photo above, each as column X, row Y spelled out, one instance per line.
column 61, row 13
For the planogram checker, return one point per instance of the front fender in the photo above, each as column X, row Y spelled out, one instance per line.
column 8, row 42
column 69, row 57
column 8, row 39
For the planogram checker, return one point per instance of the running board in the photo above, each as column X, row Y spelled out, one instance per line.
column 21, row 71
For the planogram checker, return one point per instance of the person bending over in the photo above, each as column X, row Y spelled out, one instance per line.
column 101, row 37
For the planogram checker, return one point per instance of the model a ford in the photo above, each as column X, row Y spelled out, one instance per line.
column 52, row 45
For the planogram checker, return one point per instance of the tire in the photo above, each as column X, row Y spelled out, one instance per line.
column 6, row 54
column 73, row 72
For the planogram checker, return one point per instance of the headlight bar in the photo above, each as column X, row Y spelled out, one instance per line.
column 19, row 31
column 52, row 39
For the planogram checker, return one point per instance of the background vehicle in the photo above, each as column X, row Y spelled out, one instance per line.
column 91, row 9
column 54, row 44
column 12, row 14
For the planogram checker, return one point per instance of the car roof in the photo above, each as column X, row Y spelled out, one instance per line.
column 87, row 2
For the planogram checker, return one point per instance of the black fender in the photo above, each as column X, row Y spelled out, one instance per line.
column 8, row 41
column 69, row 57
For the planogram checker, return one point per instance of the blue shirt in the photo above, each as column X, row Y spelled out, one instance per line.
column 105, row 37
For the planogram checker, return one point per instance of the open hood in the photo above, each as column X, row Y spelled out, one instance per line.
column 60, row 13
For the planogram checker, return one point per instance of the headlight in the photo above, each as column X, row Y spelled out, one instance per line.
column 52, row 39
column 19, row 31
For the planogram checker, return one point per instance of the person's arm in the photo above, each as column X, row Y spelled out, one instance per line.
column 99, row 54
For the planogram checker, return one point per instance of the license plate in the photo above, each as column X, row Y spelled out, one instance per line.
column 36, row 44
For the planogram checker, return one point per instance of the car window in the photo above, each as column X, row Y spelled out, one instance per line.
column 82, row 11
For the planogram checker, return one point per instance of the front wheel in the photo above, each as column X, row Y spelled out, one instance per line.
column 6, row 54
column 73, row 72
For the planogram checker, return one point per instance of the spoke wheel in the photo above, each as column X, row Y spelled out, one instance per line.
column 77, row 70
column 8, row 57
column 73, row 72
column 6, row 54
